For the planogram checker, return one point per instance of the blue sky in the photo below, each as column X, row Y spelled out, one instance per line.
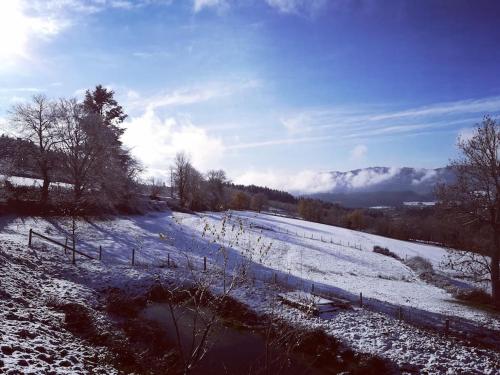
column 273, row 91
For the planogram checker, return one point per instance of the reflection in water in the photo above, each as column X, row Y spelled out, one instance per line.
column 231, row 350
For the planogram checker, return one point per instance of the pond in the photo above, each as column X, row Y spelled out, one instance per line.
column 232, row 349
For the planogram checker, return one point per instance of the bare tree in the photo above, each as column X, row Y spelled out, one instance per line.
column 156, row 188
column 474, row 198
column 258, row 202
column 181, row 167
column 217, row 196
column 81, row 144
column 36, row 121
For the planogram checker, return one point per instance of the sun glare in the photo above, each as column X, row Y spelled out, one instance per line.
column 18, row 28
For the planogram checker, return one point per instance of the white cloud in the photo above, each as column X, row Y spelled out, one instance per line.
column 19, row 28
column 367, row 177
column 200, row 4
column 306, row 181
column 309, row 181
column 359, row 152
column 24, row 24
column 297, row 6
column 427, row 175
column 155, row 141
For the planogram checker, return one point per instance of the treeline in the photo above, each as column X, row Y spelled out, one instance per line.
column 211, row 191
column 271, row 194
column 427, row 224
column 77, row 143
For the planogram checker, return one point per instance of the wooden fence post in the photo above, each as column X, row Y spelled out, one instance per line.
column 361, row 299
column 65, row 246
column 100, row 252
column 133, row 256
column 312, row 288
column 168, row 260
column 400, row 313
column 204, row 263
column 31, row 234
column 73, row 260
column 447, row 327
column 275, row 278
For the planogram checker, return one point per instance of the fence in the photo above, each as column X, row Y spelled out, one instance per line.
column 408, row 314
column 73, row 250
column 65, row 245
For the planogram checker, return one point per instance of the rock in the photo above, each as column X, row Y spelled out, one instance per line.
column 7, row 350
column 65, row 363
column 45, row 358
column 23, row 363
column 40, row 349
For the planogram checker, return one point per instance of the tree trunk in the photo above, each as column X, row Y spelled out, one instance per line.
column 494, row 268
column 45, row 187
column 495, row 278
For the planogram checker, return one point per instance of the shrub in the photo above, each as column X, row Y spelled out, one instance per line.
column 385, row 251
column 474, row 295
column 420, row 265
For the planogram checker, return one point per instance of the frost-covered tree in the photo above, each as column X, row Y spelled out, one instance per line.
column 474, row 199
column 82, row 146
column 36, row 121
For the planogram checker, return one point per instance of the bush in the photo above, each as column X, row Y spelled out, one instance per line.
column 420, row 265
column 474, row 295
column 240, row 201
column 385, row 251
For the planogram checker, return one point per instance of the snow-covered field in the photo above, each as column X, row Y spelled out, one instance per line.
column 28, row 181
column 298, row 253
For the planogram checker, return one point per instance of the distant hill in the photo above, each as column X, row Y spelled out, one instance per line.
column 384, row 186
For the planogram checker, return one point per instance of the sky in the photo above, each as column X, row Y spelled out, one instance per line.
column 275, row 92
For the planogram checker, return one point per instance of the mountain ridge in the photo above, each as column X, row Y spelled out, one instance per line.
column 374, row 186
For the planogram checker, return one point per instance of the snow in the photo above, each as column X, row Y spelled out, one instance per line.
column 337, row 261
column 428, row 203
column 34, row 182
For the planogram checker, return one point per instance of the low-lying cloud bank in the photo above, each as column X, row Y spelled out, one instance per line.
column 311, row 182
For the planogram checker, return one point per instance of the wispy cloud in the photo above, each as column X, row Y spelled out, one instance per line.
column 349, row 123
column 198, row 5
column 307, row 7
column 278, row 141
column 483, row 105
column 190, row 95
column 20, row 89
